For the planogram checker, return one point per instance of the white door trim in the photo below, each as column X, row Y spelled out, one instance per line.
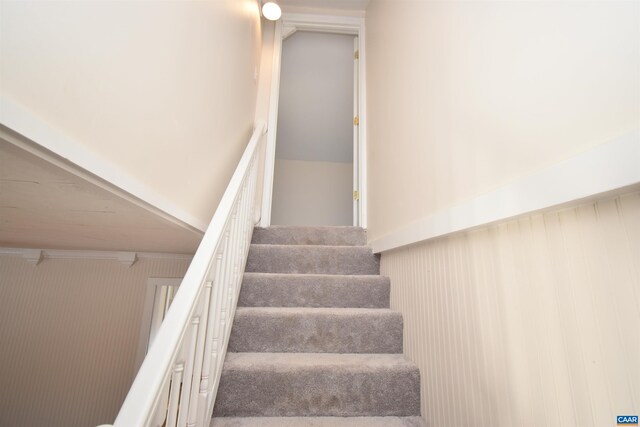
column 328, row 24
column 272, row 126
column 356, row 132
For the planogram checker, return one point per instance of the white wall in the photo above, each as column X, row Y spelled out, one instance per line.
column 164, row 90
column 69, row 332
column 315, row 114
column 464, row 97
column 312, row 193
column 533, row 322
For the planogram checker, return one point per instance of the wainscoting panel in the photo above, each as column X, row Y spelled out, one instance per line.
column 530, row 322
column 68, row 337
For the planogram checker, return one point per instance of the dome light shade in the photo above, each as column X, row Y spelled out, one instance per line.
column 271, row 11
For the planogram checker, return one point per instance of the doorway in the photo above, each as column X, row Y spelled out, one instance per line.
column 316, row 173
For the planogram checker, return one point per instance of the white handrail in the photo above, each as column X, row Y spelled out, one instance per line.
column 178, row 380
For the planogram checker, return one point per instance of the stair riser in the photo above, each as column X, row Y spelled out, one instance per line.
column 310, row 291
column 332, row 236
column 318, row 422
column 312, row 260
column 316, row 333
column 318, row 392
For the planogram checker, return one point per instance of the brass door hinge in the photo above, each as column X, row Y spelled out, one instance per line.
column 356, row 121
column 356, row 196
column 356, row 54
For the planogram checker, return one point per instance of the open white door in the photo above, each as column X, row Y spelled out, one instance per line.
column 356, row 132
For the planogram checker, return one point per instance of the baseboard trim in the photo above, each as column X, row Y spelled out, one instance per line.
column 21, row 128
column 609, row 168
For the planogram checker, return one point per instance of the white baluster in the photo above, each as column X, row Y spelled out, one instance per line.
column 187, row 379
column 177, row 383
column 201, row 345
column 174, row 396
column 211, row 340
column 221, row 321
column 160, row 415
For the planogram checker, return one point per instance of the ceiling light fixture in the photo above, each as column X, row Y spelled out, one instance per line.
column 271, row 10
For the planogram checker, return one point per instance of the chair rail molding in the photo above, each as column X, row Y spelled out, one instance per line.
column 609, row 168
column 36, row 256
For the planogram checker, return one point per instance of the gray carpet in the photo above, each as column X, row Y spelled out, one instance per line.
column 316, row 330
column 313, row 342
column 318, row 422
column 312, row 259
column 294, row 235
column 314, row 290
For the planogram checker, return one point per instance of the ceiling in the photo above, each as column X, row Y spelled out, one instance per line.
column 43, row 206
column 347, row 5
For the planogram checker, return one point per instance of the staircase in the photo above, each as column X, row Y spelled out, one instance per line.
column 314, row 342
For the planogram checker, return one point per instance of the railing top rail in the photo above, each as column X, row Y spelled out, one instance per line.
column 151, row 376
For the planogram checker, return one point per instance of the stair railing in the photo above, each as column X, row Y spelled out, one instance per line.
column 178, row 380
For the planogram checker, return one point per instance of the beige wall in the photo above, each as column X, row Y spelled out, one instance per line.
column 69, row 335
column 464, row 97
column 266, row 71
column 312, row 193
column 533, row 322
column 164, row 90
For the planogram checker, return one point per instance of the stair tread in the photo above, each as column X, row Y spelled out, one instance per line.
column 313, row 339
column 317, row 422
column 311, row 259
column 313, row 246
column 314, row 290
column 316, row 330
column 303, row 361
column 314, row 311
column 302, row 276
column 318, row 385
column 311, row 227
column 316, row 235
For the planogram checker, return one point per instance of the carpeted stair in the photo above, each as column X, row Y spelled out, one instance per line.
column 314, row 342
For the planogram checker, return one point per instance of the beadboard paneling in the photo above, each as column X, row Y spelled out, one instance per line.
column 69, row 334
column 529, row 322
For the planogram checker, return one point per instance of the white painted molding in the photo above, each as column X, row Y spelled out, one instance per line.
column 362, row 105
column 272, row 127
column 607, row 168
column 288, row 31
column 35, row 256
column 323, row 23
column 127, row 258
column 40, row 139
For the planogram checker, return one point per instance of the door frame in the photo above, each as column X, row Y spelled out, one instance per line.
column 289, row 24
